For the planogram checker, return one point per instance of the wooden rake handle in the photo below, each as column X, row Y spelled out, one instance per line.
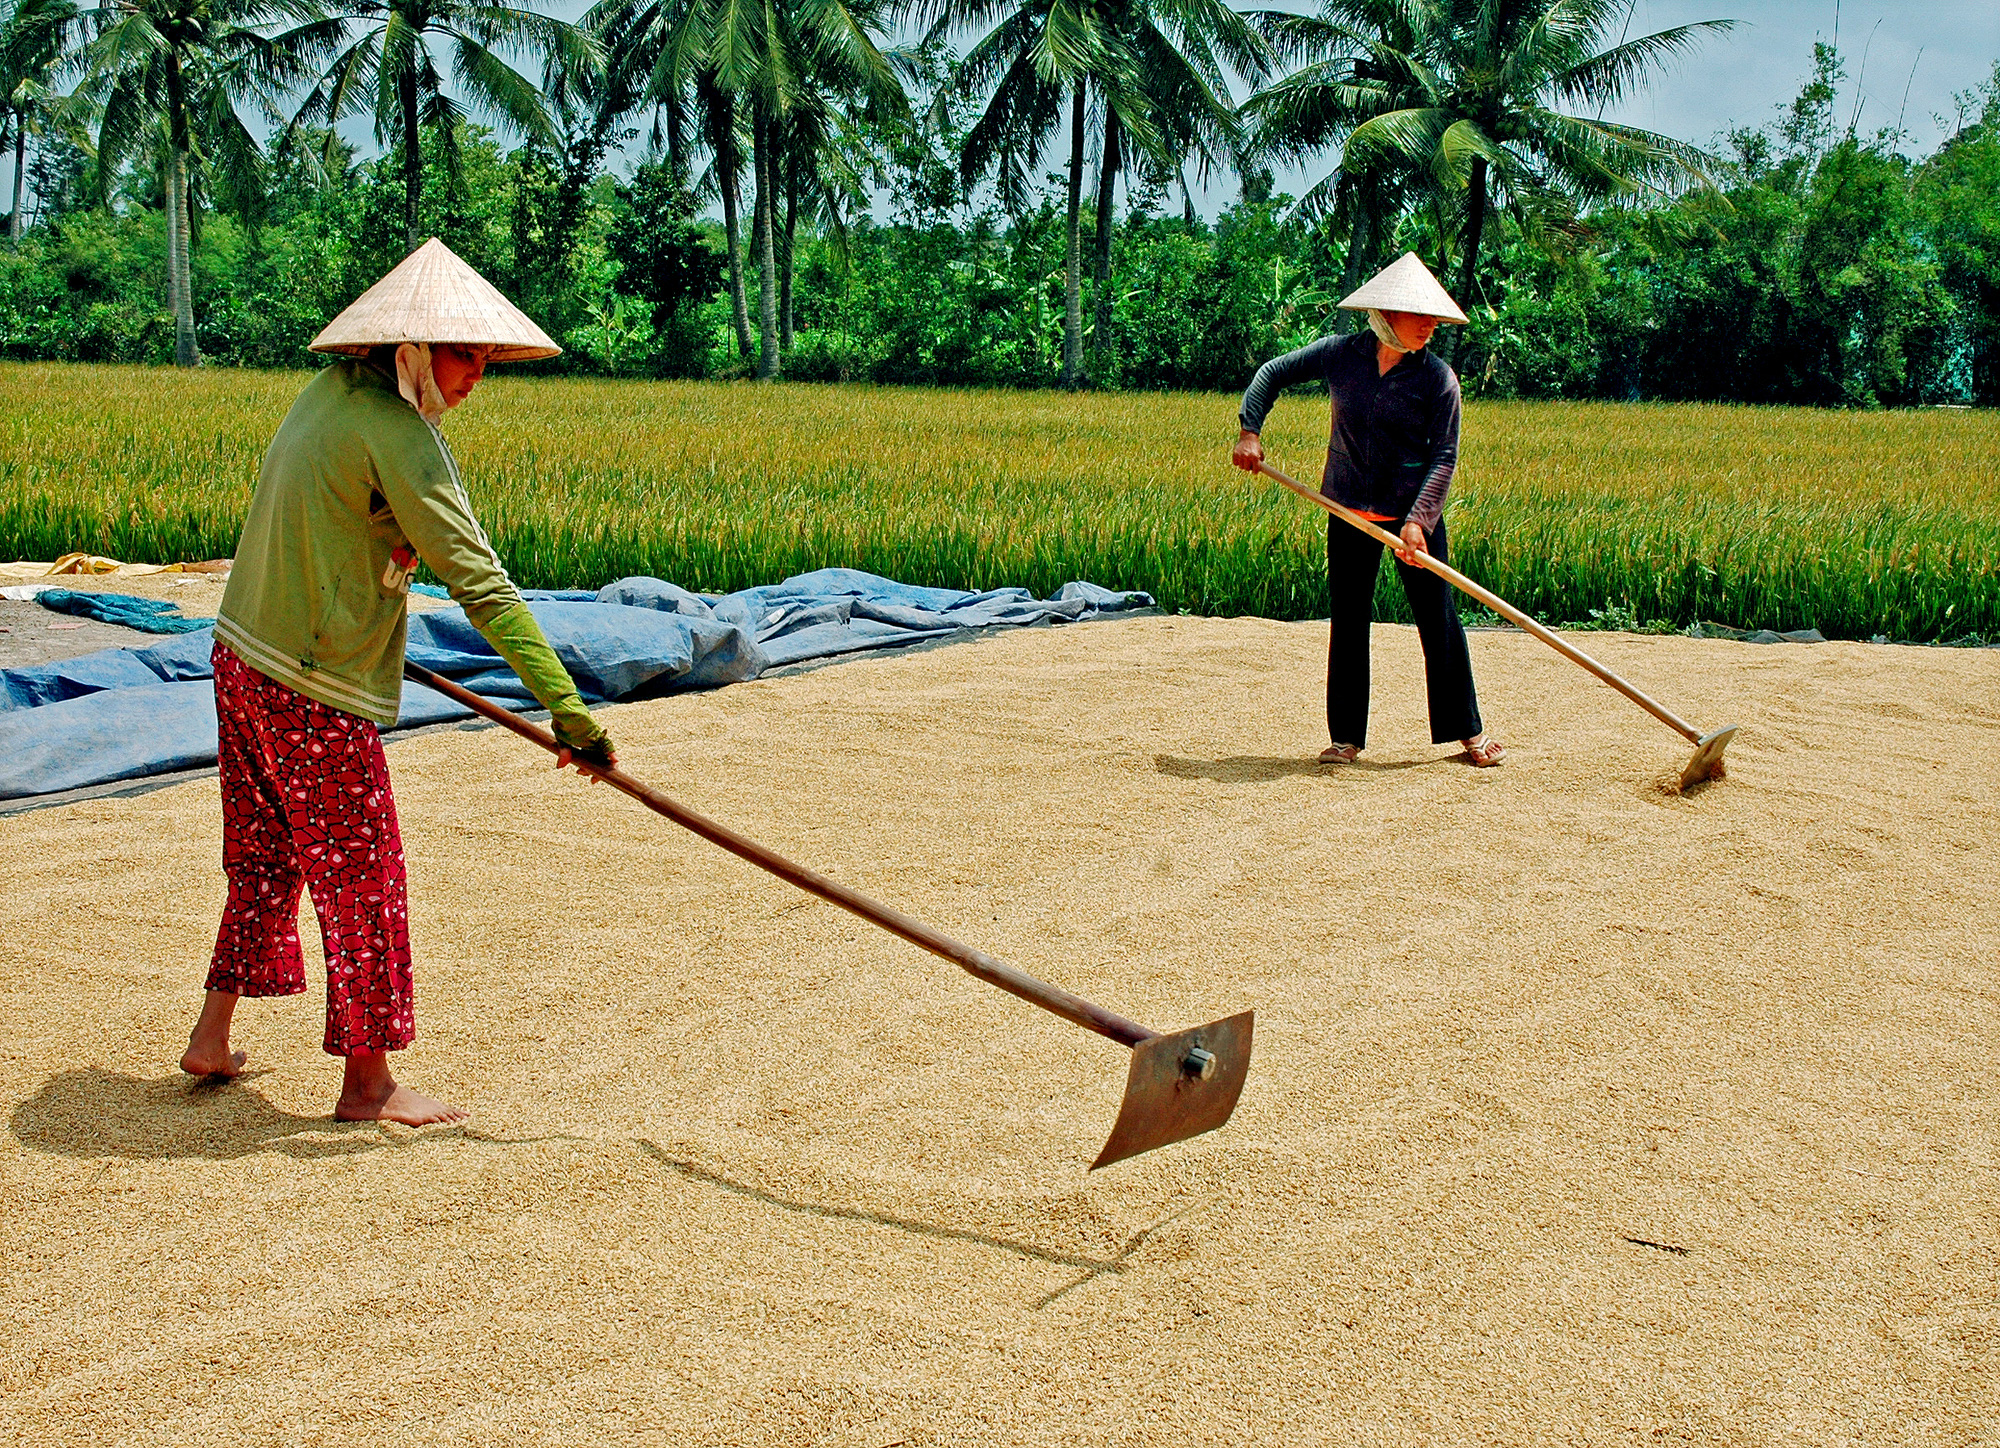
column 1071, row 1008
column 1498, row 604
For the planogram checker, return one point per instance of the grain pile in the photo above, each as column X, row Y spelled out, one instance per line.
column 1581, row 1112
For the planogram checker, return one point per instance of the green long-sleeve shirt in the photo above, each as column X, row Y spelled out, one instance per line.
column 315, row 600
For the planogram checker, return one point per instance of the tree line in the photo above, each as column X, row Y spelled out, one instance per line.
column 948, row 209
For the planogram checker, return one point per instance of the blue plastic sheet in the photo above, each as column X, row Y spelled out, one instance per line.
column 147, row 615
column 127, row 713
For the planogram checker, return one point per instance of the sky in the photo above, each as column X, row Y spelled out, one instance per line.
column 1905, row 63
column 1931, row 49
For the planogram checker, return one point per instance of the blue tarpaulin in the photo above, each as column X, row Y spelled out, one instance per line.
column 147, row 615
column 128, row 713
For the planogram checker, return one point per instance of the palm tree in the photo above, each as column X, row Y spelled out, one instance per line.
column 782, row 57
column 34, row 37
column 1352, row 62
column 723, row 131
column 170, row 75
column 663, row 45
column 391, row 71
column 821, row 160
column 748, row 65
column 660, row 49
column 1484, row 123
column 1183, row 52
column 744, row 45
column 1153, row 71
column 1040, row 64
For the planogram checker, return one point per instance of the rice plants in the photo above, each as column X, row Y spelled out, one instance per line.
column 1855, row 523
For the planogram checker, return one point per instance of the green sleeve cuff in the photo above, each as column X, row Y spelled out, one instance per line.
column 519, row 640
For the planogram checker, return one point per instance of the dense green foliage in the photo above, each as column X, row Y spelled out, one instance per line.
column 1857, row 523
column 1826, row 269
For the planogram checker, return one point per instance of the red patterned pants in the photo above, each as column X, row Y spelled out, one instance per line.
column 306, row 802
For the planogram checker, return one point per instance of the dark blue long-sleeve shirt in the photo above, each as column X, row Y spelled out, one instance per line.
column 1394, row 444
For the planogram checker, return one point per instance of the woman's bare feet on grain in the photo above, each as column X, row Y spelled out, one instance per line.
column 369, row 1093
column 208, row 1052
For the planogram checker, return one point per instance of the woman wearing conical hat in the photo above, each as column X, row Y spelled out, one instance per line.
column 358, row 486
column 1391, row 456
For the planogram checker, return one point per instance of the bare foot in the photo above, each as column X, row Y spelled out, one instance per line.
column 411, row 1108
column 208, row 1058
column 369, row 1093
column 208, row 1052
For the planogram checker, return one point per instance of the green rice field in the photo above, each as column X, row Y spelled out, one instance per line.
column 1636, row 515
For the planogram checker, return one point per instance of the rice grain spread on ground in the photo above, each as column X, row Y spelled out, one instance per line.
column 1581, row 1111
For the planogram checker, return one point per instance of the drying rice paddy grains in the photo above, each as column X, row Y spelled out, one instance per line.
column 1582, row 1111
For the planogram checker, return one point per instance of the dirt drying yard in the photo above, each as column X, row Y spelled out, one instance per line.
column 1581, row 1112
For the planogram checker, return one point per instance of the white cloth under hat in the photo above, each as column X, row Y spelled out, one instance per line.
column 1378, row 323
column 1404, row 285
column 417, row 383
column 432, row 296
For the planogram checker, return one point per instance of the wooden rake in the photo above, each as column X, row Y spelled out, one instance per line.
column 1707, row 760
column 1180, row 1083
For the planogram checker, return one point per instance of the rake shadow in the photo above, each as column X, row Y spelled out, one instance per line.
column 1090, row 1267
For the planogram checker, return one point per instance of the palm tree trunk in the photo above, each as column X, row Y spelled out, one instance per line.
column 1360, row 243
column 173, row 230
column 1072, row 363
column 732, row 229
column 786, row 321
column 186, row 353
column 1468, row 261
column 676, row 144
column 413, row 157
column 1107, row 186
column 1188, row 216
column 20, row 172
column 767, row 267
column 180, row 284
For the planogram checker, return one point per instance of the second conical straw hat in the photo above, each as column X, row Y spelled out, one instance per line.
column 1405, row 285
column 433, row 296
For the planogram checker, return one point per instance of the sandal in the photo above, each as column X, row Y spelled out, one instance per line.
column 1339, row 754
column 1485, row 752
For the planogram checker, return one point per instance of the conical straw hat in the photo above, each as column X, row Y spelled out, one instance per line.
column 1405, row 285
column 433, row 296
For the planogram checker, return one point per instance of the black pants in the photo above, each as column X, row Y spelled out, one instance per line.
column 1352, row 561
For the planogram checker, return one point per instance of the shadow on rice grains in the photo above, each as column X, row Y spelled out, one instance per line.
column 878, row 1219
column 96, row 1113
column 1253, row 769
column 1089, row 1268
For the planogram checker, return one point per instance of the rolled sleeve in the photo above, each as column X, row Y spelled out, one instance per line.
column 1443, row 460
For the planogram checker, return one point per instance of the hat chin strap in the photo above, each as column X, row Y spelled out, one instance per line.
column 415, row 382
column 1378, row 322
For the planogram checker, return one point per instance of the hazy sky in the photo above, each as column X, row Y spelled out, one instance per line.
column 1929, row 49
column 1905, row 62
column 1932, row 48
column 1935, row 48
